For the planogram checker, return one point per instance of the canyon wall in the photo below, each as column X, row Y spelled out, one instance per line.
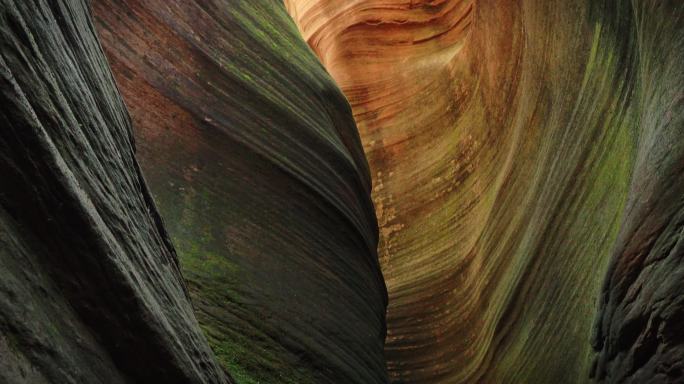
column 90, row 289
column 526, row 160
column 528, row 169
column 253, row 157
column 255, row 162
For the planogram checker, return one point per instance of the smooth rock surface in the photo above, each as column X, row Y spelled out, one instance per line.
column 253, row 156
column 527, row 161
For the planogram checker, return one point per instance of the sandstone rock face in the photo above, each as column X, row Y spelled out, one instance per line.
column 527, row 159
column 90, row 289
column 528, row 169
column 639, row 330
column 253, row 157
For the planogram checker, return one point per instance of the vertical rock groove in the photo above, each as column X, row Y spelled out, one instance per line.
column 527, row 164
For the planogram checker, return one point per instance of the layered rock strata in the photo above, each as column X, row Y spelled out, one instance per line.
column 90, row 288
column 254, row 159
column 527, row 161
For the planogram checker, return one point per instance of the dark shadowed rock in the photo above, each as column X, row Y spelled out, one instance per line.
column 639, row 330
column 90, row 289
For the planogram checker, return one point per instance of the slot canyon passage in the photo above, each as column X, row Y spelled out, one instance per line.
column 342, row 191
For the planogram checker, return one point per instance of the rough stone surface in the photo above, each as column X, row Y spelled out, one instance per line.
column 527, row 161
column 254, row 159
column 639, row 330
column 90, row 289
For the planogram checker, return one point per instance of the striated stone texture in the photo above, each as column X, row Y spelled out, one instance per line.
column 253, row 156
column 528, row 169
column 639, row 331
column 90, row 289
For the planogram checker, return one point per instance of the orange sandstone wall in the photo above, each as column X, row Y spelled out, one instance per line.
column 514, row 148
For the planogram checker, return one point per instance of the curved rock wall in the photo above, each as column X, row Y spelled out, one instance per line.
column 639, row 333
column 527, row 161
column 90, row 289
column 253, row 156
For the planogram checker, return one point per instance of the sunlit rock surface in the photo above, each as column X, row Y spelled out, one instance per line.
column 90, row 289
column 528, row 169
column 253, row 157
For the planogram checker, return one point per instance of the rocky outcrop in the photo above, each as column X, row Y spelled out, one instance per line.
column 253, row 157
column 527, row 161
column 90, row 289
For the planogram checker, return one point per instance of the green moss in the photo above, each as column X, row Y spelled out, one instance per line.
column 252, row 357
column 214, row 281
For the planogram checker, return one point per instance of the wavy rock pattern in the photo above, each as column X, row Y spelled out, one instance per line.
column 528, row 167
column 253, row 156
column 90, row 289
column 528, row 163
